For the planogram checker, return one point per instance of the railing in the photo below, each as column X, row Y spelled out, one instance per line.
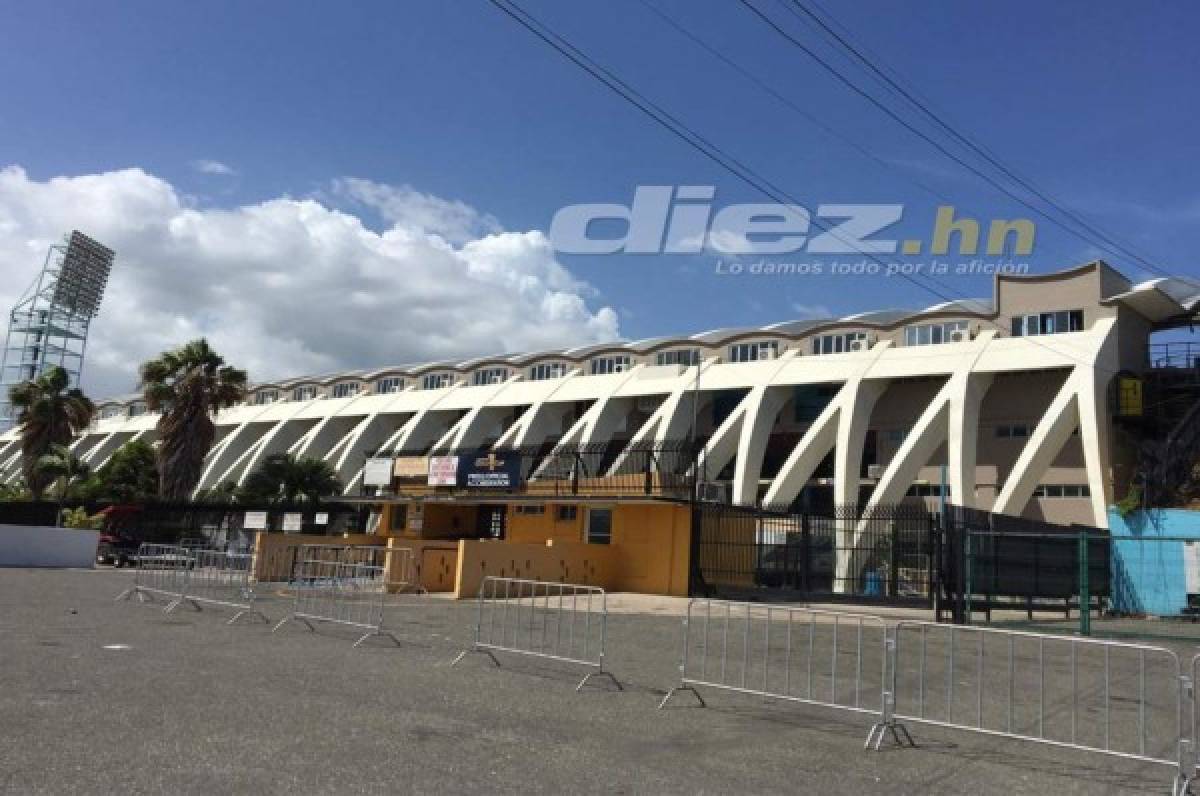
column 1118, row 699
column 344, row 585
column 1174, row 355
column 826, row 658
column 663, row 469
column 194, row 576
column 558, row 621
column 162, row 571
column 220, row 578
column 1168, row 466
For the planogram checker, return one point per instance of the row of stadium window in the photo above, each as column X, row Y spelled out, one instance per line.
column 915, row 335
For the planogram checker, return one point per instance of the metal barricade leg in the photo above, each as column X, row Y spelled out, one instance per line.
column 887, row 724
column 683, row 686
column 600, row 673
column 1186, row 724
column 475, row 642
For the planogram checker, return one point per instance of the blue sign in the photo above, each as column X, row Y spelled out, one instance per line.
column 493, row 470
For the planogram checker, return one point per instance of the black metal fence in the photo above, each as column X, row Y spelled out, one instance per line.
column 167, row 523
column 994, row 561
column 883, row 555
column 613, row 469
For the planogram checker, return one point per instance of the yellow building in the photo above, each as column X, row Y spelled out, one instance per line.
column 619, row 544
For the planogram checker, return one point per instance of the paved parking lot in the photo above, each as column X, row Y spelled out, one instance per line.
column 98, row 696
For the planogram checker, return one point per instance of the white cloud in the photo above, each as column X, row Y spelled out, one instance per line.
column 402, row 206
column 811, row 312
column 287, row 287
column 213, row 167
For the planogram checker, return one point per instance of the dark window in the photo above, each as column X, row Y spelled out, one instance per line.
column 599, row 526
column 398, row 518
column 566, row 513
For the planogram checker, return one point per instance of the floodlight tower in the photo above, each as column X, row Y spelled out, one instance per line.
column 49, row 324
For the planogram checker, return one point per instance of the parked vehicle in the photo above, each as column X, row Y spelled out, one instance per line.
column 116, row 550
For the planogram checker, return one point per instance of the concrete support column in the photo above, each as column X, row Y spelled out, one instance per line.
column 761, row 408
column 853, row 421
column 962, row 442
column 1052, row 432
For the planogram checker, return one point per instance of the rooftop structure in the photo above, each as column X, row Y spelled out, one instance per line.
column 1009, row 397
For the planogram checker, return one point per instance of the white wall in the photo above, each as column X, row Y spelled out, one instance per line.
column 39, row 546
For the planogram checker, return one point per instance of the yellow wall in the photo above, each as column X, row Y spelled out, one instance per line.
column 433, row 565
column 560, row 562
column 650, row 542
column 273, row 560
column 540, row 528
column 652, row 546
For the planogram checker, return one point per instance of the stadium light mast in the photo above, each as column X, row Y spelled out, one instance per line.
column 49, row 324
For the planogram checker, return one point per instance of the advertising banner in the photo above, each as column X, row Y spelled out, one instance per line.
column 443, row 470
column 490, row 470
column 377, row 472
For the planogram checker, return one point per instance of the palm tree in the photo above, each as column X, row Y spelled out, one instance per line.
column 189, row 386
column 282, row 476
column 61, row 465
column 48, row 414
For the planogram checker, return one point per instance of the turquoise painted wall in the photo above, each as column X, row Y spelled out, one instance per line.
column 1148, row 576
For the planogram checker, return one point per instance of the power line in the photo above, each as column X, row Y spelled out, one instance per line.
column 841, row 78
column 966, row 140
column 694, row 139
column 793, row 106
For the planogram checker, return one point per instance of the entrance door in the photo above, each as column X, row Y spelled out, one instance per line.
column 490, row 522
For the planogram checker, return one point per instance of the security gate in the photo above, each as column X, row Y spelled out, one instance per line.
column 886, row 556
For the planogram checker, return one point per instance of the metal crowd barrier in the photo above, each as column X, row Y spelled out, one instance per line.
column 162, row 570
column 343, row 585
column 1114, row 698
column 545, row 619
column 827, row 658
column 217, row 577
column 194, row 576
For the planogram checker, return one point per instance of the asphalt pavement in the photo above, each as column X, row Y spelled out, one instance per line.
column 100, row 696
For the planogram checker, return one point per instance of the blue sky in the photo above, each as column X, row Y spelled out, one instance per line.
column 1095, row 101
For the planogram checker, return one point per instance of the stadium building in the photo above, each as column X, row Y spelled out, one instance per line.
column 1025, row 404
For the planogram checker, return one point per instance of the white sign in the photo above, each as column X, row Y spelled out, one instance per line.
column 322, row 518
column 293, row 522
column 377, row 472
column 1191, row 567
column 255, row 521
column 443, row 470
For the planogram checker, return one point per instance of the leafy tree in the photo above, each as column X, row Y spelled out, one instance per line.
column 61, row 465
column 189, row 386
column 130, row 475
column 78, row 518
column 282, row 476
column 49, row 413
column 15, row 491
column 224, row 492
